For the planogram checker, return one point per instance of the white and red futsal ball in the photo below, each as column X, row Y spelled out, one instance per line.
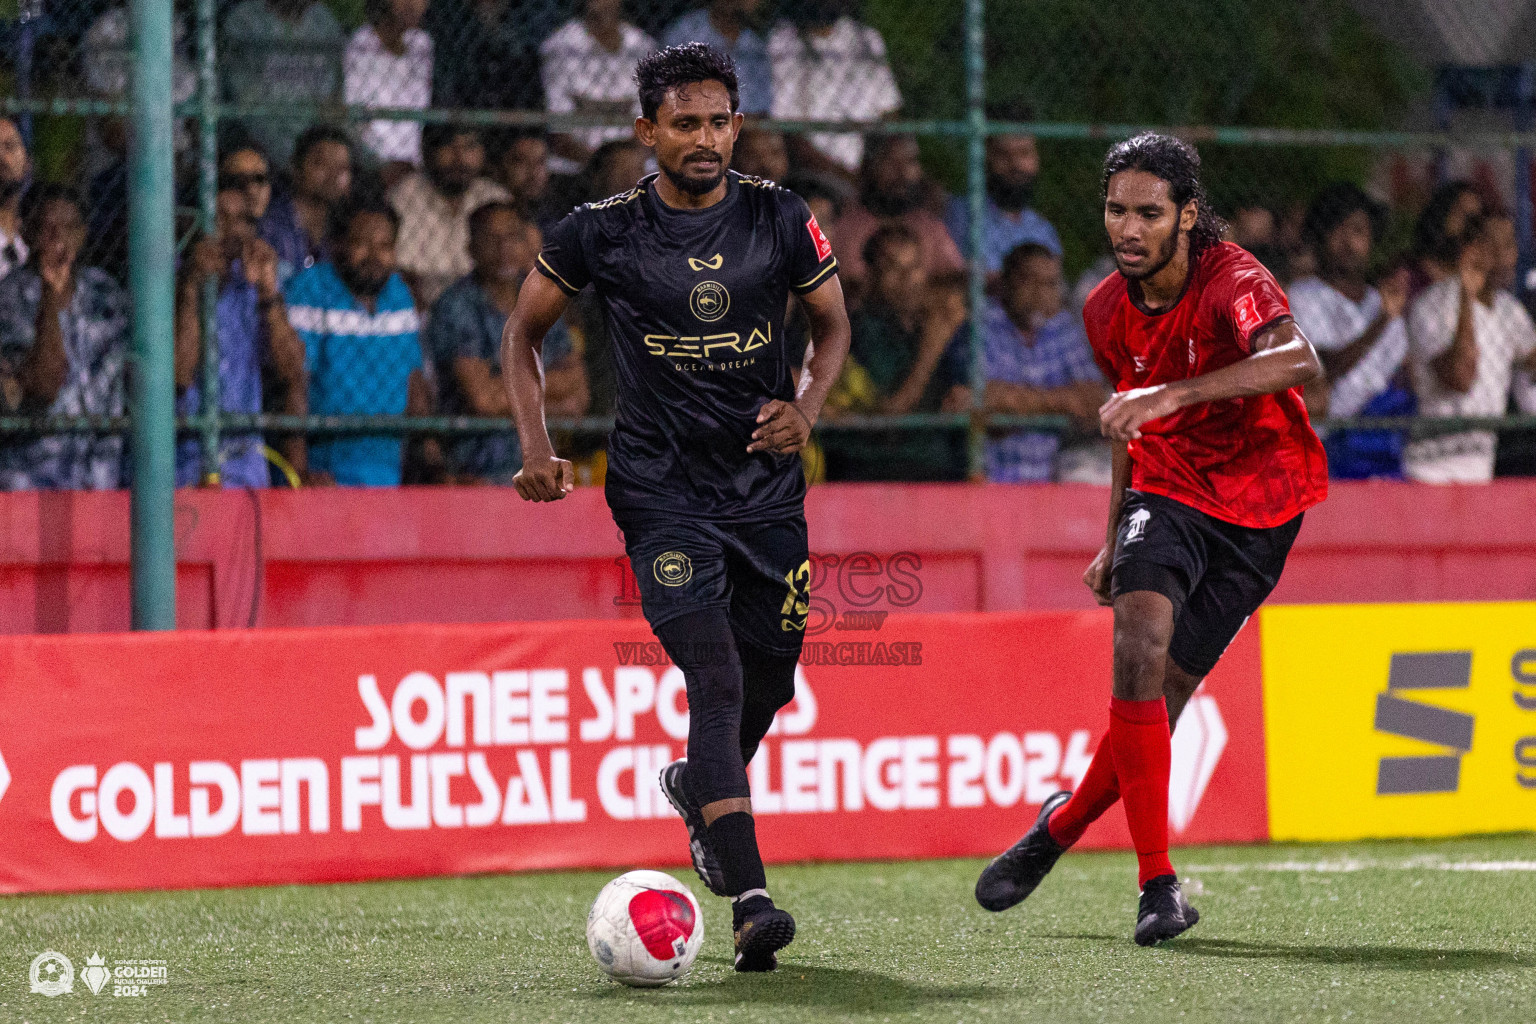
column 645, row 929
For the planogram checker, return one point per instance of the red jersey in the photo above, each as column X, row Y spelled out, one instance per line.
column 1250, row 461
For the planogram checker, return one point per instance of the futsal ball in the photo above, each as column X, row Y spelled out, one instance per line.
column 645, row 929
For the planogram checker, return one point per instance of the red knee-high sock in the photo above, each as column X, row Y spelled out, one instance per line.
column 1138, row 734
column 1098, row 792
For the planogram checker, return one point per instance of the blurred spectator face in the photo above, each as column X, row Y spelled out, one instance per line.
column 406, row 13
column 1253, row 226
column 1503, row 252
column 1468, row 204
column 762, row 153
column 1347, row 249
column 617, row 166
column 325, row 175
column 1013, row 163
column 56, row 233
column 893, row 177
column 524, row 168
column 603, row 10
column 897, row 278
column 744, row 9
column 454, row 165
column 367, row 255
column 1032, row 293
column 14, row 164
column 503, row 246
column 246, row 171
column 232, row 220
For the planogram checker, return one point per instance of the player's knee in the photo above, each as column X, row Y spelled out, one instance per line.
column 1141, row 650
column 769, row 677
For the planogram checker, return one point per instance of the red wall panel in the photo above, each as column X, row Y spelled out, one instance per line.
column 358, row 557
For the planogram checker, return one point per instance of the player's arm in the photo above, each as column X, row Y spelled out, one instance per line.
column 784, row 427
column 540, row 303
column 1282, row 358
column 1097, row 576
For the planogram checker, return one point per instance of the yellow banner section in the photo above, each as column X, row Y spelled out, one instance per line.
column 1399, row 720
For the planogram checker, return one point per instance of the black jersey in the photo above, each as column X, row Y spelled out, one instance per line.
column 695, row 303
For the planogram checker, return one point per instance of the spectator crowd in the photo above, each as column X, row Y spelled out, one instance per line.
column 370, row 269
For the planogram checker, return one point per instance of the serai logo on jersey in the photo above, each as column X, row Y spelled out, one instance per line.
column 672, row 569
column 715, row 262
column 709, row 301
column 708, row 347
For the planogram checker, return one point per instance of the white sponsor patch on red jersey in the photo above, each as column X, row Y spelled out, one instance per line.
column 1246, row 312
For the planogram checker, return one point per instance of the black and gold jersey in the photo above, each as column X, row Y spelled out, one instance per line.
column 695, row 303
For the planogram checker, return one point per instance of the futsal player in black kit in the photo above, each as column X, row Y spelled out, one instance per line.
column 694, row 268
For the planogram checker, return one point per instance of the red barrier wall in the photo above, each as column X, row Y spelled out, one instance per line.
column 198, row 758
column 344, row 557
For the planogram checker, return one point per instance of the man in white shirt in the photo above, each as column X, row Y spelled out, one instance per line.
column 589, row 68
column 1357, row 330
column 433, row 240
column 389, row 64
column 1467, row 335
column 830, row 68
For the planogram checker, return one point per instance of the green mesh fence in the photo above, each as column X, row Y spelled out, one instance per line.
column 878, row 112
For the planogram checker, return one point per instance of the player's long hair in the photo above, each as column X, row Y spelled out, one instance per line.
column 1177, row 163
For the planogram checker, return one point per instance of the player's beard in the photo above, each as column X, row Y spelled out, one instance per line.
column 695, row 186
column 1165, row 256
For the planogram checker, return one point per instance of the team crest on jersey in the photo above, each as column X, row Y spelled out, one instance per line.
column 823, row 247
column 715, row 262
column 709, row 301
column 672, row 569
column 1246, row 311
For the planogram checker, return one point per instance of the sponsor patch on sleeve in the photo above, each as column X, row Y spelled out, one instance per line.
column 823, row 247
column 1246, row 312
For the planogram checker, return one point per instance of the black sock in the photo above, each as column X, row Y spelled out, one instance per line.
column 733, row 838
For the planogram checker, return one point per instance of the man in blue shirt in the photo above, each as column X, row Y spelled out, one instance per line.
column 727, row 25
column 359, row 326
column 1013, row 163
column 252, row 331
column 1038, row 363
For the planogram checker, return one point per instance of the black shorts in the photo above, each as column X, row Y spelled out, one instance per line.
column 759, row 572
column 1216, row 573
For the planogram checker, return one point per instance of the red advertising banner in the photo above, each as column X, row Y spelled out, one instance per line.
column 252, row 757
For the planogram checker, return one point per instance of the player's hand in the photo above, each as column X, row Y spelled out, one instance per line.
column 1121, row 417
column 782, row 428
column 1096, row 578
column 545, row 479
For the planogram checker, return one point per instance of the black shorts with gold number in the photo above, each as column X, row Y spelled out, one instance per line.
column 759, row 572
column 1214, row 572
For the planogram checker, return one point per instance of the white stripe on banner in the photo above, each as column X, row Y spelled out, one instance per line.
column 352, row 321
column 1347, row 866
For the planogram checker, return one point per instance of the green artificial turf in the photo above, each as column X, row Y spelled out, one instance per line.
column 1398, row 939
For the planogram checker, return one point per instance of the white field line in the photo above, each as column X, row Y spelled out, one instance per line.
column 1346, row 866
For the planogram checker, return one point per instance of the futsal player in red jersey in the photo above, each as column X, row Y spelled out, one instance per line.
column 1215, row 463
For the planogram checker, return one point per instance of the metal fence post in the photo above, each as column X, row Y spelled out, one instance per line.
column 152, row 268
column 976, row 184
column 207, row 193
